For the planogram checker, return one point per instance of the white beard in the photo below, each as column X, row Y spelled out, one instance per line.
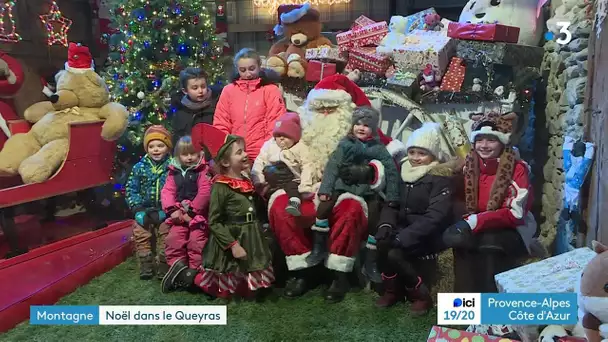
column 322, row 133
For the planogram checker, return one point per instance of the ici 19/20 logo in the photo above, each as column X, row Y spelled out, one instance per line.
column 564, row 37
column 464, row 303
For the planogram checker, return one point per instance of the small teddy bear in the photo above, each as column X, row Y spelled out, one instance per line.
column 476, row 85
column 432, row 22
column 396, row 36
column 430, row 79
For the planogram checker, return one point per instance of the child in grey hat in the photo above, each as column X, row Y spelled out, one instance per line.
column 360, row 146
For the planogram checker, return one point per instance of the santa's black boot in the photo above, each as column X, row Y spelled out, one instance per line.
column 338, row 288
column 179, row 277
column 297, row 285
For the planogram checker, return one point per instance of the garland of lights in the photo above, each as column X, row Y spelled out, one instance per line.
column 6, row 10
column 273, row 5
column 55, row 19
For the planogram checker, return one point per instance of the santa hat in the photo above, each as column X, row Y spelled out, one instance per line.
column 426, row 137
column 289, row 14
column 288, row 125
column 79, row 59
column 395, row 147
column 336, row 90
column 494, row 124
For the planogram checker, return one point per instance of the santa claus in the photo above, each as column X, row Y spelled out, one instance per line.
column 326, row 118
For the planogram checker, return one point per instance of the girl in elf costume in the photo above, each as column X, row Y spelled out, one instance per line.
column 236, row 259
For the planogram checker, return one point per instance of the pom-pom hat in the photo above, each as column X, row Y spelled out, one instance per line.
column 288, row 125
column 426, row 137
column 157, row 132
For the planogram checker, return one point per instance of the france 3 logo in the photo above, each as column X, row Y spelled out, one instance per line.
column 564, row 35
column 458, row 308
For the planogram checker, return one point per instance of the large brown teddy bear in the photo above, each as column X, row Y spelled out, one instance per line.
column 81, row 95
column 301, row 27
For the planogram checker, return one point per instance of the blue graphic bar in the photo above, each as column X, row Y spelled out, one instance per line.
column 64, row 315
column 529, row 308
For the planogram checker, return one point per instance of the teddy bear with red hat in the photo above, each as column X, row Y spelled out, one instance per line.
column 301, row 27
column 81, row 95
column 11, row 81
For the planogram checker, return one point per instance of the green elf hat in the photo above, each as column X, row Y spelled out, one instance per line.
column 230, row 139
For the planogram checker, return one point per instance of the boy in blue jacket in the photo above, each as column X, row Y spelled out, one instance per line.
column 143, row 197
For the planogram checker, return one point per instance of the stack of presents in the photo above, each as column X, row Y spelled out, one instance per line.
column 558, row 274
column 429, row 59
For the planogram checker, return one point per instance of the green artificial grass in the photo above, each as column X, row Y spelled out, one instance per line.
column 279, row 319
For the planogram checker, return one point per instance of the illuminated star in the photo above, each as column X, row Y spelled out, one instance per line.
column 54, row 21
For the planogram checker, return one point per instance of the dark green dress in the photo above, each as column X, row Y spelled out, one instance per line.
column 232, row 218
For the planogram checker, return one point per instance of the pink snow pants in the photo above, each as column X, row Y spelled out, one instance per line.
column 186, row 243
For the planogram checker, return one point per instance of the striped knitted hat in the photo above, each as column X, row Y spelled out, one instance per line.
column 157, row 132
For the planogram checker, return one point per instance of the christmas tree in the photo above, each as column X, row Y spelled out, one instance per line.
column 153, row 42
column 156, row 39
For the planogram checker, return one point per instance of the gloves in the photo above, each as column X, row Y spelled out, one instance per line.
column 356, row 174
column 148, row 217
column 458, row 235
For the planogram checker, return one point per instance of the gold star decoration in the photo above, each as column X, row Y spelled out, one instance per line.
column 56, row 25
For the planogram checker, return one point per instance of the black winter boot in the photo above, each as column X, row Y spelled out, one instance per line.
column 146, row 266
column 370, row 267
column 319, row 248
column 297, row 285
column 178, row 277
column 338, row 288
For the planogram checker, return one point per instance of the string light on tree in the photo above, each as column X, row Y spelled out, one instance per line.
column 156, row 40
column 272, row 5
column 56, row 25
column 8, row 34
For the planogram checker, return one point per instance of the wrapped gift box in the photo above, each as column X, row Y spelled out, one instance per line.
column 326, row 53
column 454, row 77
column 363, row 21
column 425, row 47
column 501, row 53
column 416, row 21
column 441, row 334
column 369, row 35
column 317, row 71
column 366, row 59
column 404, row 82
column 488, row 32
column 557, row 274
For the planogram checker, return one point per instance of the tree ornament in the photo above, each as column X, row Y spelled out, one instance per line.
column 6, row 15
column 196, row 19
column 57, row 26
column 141, row 95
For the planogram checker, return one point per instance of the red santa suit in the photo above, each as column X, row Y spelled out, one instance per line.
column 322, row 130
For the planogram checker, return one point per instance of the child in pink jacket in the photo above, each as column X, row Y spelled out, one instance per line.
column 250, row 105
column 185, row 199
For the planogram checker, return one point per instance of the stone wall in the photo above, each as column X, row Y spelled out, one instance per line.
column 565, row 70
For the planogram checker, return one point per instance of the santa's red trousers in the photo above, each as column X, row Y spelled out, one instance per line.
column 348, row 224
column 186, row 243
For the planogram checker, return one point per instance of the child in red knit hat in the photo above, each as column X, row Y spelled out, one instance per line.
column 284, row 150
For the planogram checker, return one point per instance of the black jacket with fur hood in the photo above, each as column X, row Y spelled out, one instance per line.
column 425, row 207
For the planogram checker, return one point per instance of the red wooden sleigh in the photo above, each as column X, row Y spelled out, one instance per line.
column 88, row 164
